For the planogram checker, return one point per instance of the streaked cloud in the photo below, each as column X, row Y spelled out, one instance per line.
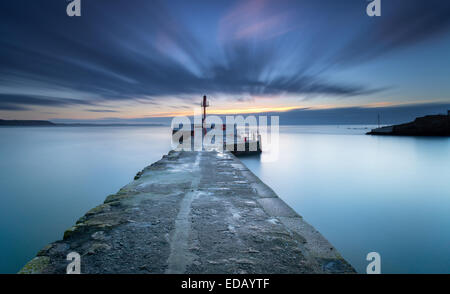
column 120, row 53
column 22, row 102
column 102, row 110
column 254, row 19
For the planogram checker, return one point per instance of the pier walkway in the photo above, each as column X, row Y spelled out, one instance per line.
column 193, row 212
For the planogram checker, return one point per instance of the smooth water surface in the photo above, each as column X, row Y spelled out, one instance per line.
column 363, row 193
column 51, row 176
column 368, row 193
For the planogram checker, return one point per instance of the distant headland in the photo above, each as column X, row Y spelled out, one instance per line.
column 46, row 123
column 430, row 125
column 26, row 123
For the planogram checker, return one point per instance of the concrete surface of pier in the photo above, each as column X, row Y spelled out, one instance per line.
column 193, row 212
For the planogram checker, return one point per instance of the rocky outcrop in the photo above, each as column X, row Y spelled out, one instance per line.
column 430, row 125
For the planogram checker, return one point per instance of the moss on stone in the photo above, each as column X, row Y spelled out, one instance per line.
column 44, row 251
column 36, row 266
column 108, row 221
column 99, row 209
column 115, row 197
column 73, row 230
column 69, row 232
column 138, row 175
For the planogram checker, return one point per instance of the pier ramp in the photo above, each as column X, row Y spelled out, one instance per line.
column 193, row 212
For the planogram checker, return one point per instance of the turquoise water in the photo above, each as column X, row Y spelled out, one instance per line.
column 368, row 193
column 363, row 193
column 50, row 177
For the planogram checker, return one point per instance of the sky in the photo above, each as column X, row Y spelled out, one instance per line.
column 142, row 59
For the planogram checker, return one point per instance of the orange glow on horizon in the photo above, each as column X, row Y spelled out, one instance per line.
column 262, row 109
column 230, row 111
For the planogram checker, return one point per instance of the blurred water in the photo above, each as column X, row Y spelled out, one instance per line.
column 363, row 193
column 50, row 177
column 368, row 193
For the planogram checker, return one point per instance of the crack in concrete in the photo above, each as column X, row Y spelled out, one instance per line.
column 180, row 257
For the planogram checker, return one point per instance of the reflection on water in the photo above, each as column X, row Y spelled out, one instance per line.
column 365, row 193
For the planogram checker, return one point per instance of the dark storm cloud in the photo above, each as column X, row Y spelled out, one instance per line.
column 20, row 102
column 12, row 107
column 403, row 23
column 118, row 50
column 101, row 110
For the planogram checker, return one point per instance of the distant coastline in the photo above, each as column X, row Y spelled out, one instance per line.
column 46, row 123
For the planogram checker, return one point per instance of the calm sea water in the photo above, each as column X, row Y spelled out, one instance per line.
column 364, row 193
column 385, row 194
column 50, row 177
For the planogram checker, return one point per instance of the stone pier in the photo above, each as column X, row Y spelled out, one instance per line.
column 193, row 212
